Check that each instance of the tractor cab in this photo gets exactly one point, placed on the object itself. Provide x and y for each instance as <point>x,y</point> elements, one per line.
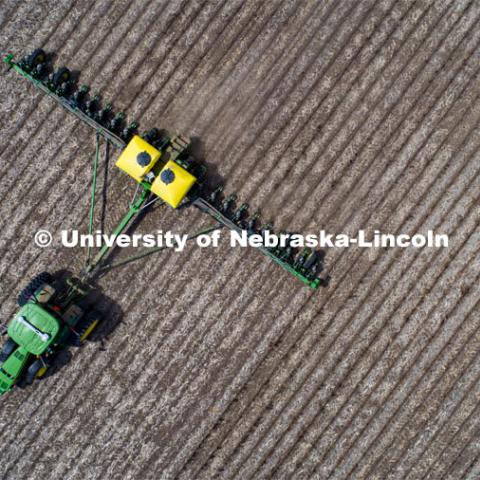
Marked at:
<point>34,328</point>
<point>162,170</point>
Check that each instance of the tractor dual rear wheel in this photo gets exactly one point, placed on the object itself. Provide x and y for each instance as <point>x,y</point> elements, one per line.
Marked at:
<point>27,293</point>
<point>86,326</point>
<point>36,370</point>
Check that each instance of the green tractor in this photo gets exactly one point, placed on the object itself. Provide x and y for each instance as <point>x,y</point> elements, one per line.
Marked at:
<point>53,315</point>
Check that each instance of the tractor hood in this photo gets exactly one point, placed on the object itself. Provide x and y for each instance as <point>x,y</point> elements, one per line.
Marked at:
<point>12,368</point>
<point>33,328</point>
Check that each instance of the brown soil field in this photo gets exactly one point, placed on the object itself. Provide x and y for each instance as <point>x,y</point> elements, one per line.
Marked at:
<point>217,364</point>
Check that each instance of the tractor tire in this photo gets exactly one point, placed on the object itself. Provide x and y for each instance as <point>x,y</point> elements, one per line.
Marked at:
<point>32,287</point>
<point>62,75</point>
<point>88,324</point>
<point>8,347</point>
<point>36,370</point>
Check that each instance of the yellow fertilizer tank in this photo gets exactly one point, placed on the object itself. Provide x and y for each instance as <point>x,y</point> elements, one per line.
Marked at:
<point>138,158</point>
<point>173,184</point>
<point>170,181</point>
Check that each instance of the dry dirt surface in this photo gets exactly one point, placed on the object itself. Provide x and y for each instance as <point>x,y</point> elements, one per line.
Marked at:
<point>335,115</point>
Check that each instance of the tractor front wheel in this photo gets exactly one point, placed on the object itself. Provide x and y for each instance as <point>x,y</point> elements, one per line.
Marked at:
<point>8,347</point>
